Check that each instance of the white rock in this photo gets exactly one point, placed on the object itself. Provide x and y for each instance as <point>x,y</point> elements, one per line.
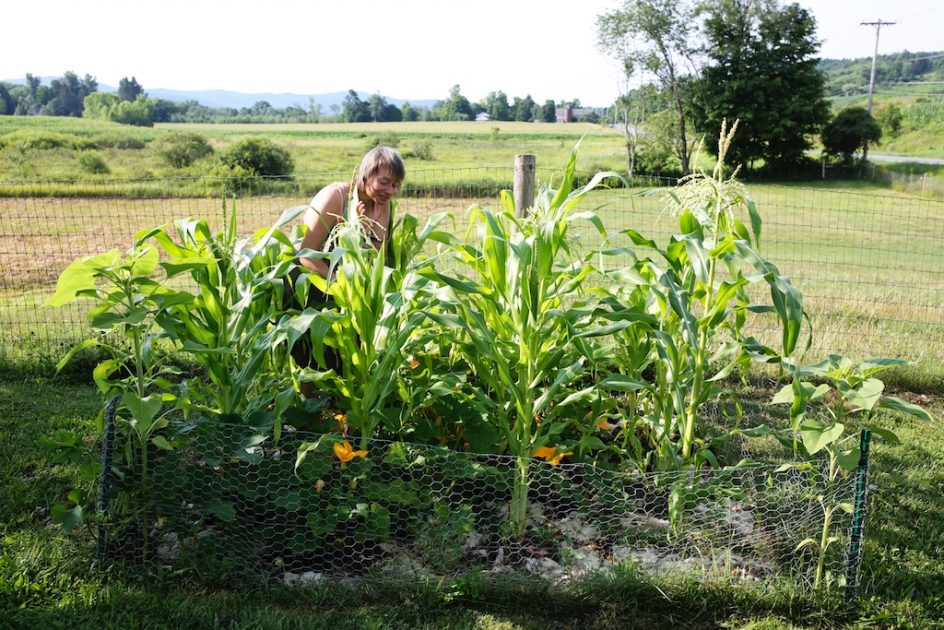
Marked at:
<point>576,529</point>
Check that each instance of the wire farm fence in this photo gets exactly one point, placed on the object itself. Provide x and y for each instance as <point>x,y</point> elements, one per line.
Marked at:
<point>232,502</point>
<point>871,267</point>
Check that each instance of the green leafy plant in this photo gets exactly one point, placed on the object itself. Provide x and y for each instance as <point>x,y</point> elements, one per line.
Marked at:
<point>127,303</point>
<point>693,306</point>
<point>512,320</point>
<point>92,162</point>
<point>230,321</point>
<point>830,403</point>
<point>377,310</point>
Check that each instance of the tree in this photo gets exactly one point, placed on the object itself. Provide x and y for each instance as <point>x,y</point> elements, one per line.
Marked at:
<point>99,105</point>
<point>314,110</point>
<point>354,109</point>
<point>850,130</point>
<point>409,113</point>
<point>524,108</point>
<point>164,110</point>
<point>763,71</point>
<point>660,35</point>
<point>129,89</point>
<point>889,118</point>
<point>382,111</point>
<point>628,113</point>
<point>456,107</point>
<point>261,108</point>
<point>139,113</point>
<point>496,105</point>
<point>377,104</point>
<point>67,95</point>
<point>547,112</point>
<point>7,102</point>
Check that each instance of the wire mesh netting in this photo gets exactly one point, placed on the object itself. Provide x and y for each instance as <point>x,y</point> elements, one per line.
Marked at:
<point>234,500</point>
<point>870,266</point>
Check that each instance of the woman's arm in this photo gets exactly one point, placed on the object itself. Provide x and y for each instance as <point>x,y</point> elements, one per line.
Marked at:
<point>323,213</point>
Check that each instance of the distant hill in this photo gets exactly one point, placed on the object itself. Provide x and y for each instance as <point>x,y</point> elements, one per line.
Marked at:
<point>229,98</point>
<point>847,77</point>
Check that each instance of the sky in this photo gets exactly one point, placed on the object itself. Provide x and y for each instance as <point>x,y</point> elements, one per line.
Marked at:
<point>403,49</point>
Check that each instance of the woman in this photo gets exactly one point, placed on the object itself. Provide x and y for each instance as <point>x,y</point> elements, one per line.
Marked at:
<point>378,183</point>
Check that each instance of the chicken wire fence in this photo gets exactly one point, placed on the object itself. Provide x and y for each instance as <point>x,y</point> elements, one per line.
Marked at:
<point>870,266</point>
<point>231,502</point>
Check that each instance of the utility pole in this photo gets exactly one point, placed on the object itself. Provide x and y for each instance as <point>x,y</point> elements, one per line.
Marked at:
<point>878,27</point>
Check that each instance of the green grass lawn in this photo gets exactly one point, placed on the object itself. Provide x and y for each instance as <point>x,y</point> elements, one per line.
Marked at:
<point>48,579</point>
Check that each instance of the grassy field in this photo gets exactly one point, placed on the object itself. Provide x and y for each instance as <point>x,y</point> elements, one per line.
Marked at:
<point>30,148</point>
<point>51,148</point>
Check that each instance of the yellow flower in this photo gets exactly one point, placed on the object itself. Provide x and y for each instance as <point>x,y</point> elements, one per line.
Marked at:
<point>554,461</point>
<point>603,425</point>
<point>342,421</point>
<point>345,452</point>
<point>547,453</point>
<point>415,363</point>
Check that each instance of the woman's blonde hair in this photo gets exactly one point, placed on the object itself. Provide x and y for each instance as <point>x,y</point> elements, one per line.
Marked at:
<point>379,158</point>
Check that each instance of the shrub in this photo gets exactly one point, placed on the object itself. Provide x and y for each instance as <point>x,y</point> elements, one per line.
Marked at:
<point>93,163</point>
<point>260,157</point>
<point>421,151</point>
<point>119,141</point>
<point>849,131</point>
<point>387,139</point>
<point>182,149</point>
<point>41,139</point>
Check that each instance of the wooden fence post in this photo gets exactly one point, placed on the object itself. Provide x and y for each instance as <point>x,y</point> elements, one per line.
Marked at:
<point>524,184</point>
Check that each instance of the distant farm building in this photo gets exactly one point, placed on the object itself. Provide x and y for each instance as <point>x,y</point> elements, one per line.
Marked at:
<point>571,114</point>
<point>482,117</point>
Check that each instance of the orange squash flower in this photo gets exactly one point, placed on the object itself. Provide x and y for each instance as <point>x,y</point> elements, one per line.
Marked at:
<point>345,452</point>
<point>550,455</point>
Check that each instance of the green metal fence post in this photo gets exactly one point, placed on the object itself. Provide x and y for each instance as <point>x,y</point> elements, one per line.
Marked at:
<point>108,446</point>
<point>854,557</point>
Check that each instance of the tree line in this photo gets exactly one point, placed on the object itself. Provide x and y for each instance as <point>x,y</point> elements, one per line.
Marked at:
<point>71,96</point>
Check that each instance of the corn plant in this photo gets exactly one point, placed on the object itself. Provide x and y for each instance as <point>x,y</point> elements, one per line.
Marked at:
<point>830,403</point>
<point>377,310</point>
<point>512,320</point>
<point>226,322</point>
<point>698,295</point>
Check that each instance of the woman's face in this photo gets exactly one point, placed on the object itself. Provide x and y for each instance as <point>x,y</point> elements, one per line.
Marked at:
<point>382,187</point>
